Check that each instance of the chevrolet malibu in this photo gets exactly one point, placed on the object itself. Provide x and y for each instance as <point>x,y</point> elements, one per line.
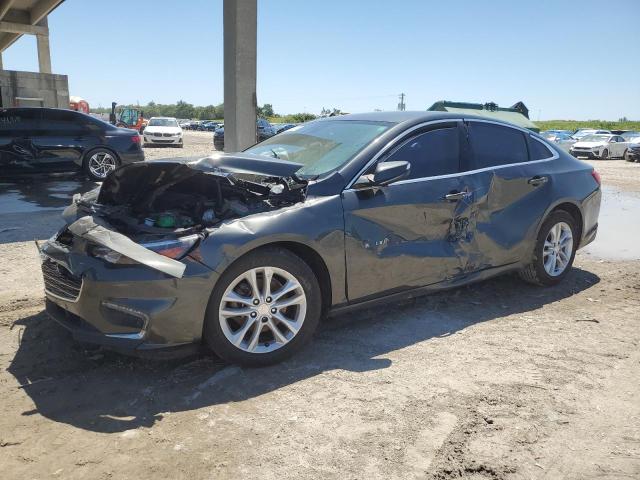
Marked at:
<point>246,252</point>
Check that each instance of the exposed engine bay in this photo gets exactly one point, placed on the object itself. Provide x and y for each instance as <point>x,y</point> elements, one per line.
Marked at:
<point>159,199</point>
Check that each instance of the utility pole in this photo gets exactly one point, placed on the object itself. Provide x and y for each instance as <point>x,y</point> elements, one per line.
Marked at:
<point>401,106</point>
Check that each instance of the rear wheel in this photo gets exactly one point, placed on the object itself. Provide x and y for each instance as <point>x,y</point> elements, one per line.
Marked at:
<point>554,251</point>
<point>100,163</point>
<point>263,309</point>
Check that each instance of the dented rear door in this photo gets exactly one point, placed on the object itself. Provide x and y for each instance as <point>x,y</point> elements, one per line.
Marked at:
<point>509,193</point>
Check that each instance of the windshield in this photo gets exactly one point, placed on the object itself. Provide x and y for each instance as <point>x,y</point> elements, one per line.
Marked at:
<point>162,122</point>
<point>594,138</point>
<point>321,146</point>
<point>630,135</point>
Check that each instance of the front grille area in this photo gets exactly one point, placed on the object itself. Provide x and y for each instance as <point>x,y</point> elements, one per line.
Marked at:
<point>60,282</point>
<point>168,134</point>
<point>157,134</point>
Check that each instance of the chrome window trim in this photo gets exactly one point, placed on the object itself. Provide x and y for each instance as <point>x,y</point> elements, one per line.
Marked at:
<point>392,143</point>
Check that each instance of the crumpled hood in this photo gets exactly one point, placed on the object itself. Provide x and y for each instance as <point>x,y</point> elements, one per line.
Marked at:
<point>133,182</point>
<point>246,163</point>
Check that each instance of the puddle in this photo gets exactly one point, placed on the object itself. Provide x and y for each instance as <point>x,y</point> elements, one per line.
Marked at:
<point>619,227</point>
<point>37,195</point>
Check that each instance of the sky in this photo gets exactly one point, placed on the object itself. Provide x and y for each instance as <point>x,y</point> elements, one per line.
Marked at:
<point>565,59</point>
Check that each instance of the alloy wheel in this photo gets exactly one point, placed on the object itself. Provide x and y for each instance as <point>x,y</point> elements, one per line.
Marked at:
<point>557,250</point>
<point>102,164</point>
<point>262,309</point>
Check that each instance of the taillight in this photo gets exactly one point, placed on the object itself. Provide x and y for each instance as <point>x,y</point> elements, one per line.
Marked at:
<point>596,176</point>
<point>135,139</point>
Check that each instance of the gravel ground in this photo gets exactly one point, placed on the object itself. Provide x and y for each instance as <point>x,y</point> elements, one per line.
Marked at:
<point>500,380</point>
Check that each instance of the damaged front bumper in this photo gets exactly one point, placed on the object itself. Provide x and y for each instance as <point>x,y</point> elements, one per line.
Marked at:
<point>131,308</point>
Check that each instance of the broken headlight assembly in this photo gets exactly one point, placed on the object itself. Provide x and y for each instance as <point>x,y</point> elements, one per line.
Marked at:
<point>173,248</point>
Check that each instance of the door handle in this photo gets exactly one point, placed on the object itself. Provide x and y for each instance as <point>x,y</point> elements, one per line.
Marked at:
<point>537,180</point>
<point>455,196</point>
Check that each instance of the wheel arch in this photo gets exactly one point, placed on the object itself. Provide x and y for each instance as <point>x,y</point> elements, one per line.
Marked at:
<point>572,208</point>
<point>307,254</point>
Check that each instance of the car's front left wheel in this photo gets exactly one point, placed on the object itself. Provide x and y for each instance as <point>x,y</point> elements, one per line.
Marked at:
<point>263,309</point>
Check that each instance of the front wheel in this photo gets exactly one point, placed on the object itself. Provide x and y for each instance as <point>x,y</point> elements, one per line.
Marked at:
<point>100,163</point>
<point>627,157</point>
<point>554,251</point>
<point>263,309</point>
<point>605,154</point>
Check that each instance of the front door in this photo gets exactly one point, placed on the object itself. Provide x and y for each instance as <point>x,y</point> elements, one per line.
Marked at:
<point>410,233</point>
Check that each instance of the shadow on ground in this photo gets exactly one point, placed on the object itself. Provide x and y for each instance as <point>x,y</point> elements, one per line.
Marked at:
<point>106,392</point>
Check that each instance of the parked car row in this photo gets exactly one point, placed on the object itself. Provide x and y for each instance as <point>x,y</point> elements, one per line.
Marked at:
<point>201,125</point>
<point>596,143</point>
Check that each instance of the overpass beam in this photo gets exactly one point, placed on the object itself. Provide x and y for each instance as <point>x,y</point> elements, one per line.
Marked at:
<point>240,56</point>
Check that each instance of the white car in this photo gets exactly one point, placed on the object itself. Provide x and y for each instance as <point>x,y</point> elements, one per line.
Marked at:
<point>599,146</point>
<point>163,131</point>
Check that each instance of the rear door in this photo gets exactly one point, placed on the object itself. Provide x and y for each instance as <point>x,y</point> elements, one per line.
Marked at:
<point>62,141</point>
<point>508,176</point>
<point>18,128</point>
<point>408,234</point>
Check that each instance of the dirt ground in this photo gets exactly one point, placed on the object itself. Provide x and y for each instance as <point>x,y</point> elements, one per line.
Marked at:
<point>499,380</point>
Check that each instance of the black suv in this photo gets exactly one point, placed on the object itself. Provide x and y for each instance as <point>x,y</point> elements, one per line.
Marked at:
<point>42,140</point>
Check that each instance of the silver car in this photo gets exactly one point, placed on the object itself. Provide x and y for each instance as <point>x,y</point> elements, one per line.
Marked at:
<point>601,146</point>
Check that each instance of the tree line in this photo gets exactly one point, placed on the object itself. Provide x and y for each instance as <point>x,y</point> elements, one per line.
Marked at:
<point>182,109</point>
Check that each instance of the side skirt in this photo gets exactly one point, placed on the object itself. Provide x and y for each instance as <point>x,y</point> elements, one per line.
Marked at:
<point>421,291</point>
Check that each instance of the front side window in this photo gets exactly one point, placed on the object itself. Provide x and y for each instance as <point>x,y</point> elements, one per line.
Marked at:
<point>433,153</point>
<point>494,145</point>
<point>321,147</point>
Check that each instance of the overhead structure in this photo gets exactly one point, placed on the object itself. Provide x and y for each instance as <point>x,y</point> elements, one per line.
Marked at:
<point>29,17</point>
<point>240,56</point>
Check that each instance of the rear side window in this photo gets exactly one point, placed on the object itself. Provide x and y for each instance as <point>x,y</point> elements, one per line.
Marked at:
<point>436,152</point>
<point>494,145</point>
<point>538,150</point>
<point>62,121</point>
<point>19,120</point>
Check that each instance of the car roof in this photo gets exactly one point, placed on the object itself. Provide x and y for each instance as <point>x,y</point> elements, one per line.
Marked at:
<point>412,117</point>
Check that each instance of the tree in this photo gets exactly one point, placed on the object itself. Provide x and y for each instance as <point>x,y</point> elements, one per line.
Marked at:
<point>183,110</point>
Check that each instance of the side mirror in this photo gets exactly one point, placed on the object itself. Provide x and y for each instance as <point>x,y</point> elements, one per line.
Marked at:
<point>385,173</point>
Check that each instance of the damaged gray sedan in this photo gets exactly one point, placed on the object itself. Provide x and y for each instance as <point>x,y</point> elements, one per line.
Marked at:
<point>246,252</point>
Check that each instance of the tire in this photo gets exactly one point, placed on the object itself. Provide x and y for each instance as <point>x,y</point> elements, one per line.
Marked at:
<point>97,157</point>
<point>604,155</point>
<point>536,272</point>
<point>259,347</point>
<point>627,157</point>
